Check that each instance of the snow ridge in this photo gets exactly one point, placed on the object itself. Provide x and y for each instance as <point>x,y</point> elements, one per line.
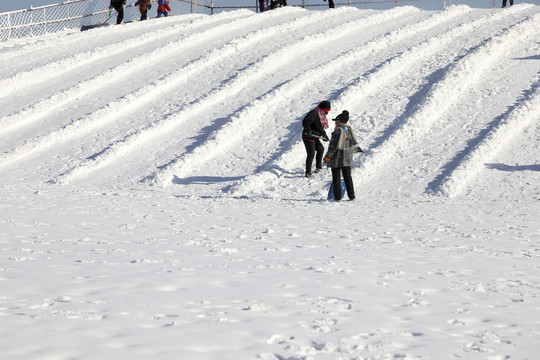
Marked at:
<point>462,75</point>
<point>523,115</point>
<point>256,71</point>
<point>365,86</point>
<point>46,106</point>
<point>49,71</point>
<point>239,127</point>
<point>133,101</point>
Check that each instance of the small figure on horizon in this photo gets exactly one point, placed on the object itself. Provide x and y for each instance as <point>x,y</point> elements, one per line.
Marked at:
<point>119,6</point>
<point>313,132</point>
<point>277,3</point>
<point>504,3</point>
<point>263,5</point>
<point>144,6</point>
<point>340,155</point>
<point>163,7</point>
<point>330,4</point>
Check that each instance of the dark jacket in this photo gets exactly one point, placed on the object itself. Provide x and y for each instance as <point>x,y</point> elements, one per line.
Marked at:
<point>312,126</point>
<point>342,146</point>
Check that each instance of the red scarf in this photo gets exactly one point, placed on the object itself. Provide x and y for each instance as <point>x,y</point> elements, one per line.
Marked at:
<point>322,116</point>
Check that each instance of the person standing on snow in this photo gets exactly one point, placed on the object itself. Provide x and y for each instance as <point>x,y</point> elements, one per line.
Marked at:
<point>313,125</point>
<point>262,5</point>
<point>504,3</point>
<point>119,6</point>
<point>163,7</point>
<point>144,6</point>
<point>330,4</point>
<point>340,154</point>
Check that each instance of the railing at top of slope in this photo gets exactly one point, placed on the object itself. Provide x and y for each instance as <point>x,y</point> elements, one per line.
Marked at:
<point>76,13</point>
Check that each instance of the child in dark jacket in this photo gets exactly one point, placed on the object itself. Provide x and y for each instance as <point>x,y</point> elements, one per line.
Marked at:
<point>144,6</point>
<point>163,7</point>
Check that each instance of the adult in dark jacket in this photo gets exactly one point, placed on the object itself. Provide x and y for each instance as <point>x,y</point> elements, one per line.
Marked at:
<point>340,155</point>
<point>313,125</point>
<point>119,6</point>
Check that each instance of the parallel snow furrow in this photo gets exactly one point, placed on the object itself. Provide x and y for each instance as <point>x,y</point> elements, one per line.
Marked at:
<point>55,69</point>
<point>239,127</point>
<point>363,87</point>
<point>498,138</point>
<point>151,92</point>
<point>443,94</point>
<point>48,106</point>
<point>259,70</point>
<point>64,41</point>
<point>67,38</point>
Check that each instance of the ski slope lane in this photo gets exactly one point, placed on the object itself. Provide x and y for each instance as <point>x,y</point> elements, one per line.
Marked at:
<point>137,99</point>
<point>256,71</point>
<point>220,113</point>
<point>355,92</point>
<point>463,74</point>
<point>211,29</point>
<point>240,127</point>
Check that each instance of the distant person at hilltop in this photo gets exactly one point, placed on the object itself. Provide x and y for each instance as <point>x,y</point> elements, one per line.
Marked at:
<point>119,6</point>
<point>144,6</point>
<point>504,3</point>
<point>277,3</point>
<point>163,7</point>
<point>263,5</point>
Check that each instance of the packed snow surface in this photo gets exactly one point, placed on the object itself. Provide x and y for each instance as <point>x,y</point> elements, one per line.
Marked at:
<point>154,204</point>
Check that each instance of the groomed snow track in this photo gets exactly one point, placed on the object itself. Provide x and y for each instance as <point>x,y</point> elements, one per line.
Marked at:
<point>212,105</point>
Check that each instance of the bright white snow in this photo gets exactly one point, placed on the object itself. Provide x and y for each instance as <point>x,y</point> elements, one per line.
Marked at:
<point>153,204</point>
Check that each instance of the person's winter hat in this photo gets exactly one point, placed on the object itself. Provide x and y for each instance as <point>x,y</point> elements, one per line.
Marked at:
<point>343,117</point>
<point>325,105</point>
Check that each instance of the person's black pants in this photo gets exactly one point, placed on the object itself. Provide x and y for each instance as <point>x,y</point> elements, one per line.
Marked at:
<point>336,182</point>
<point>144,15</point>
<point>120,9</point>
<point>315,150</point>
<point>331,4</point>
<point>511,3</point>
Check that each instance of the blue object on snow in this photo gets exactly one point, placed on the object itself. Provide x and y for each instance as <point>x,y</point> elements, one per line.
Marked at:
<point>331,191</point>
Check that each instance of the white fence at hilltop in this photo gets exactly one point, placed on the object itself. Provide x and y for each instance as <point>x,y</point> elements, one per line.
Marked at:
<point>76,13</point>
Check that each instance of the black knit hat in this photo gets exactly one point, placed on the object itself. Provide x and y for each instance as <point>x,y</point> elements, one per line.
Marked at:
<point>325,105</point>
<point>343,117</point>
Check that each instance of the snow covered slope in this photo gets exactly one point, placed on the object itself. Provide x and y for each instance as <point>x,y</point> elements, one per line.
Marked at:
<point>153,203</point>
<point>219,99</point>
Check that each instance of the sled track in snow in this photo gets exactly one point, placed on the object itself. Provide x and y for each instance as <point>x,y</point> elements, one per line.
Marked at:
<point>398,137</point>
<point>115,139</point>
<point>47,106</point>
<point>42,43</point>
<point>29,78</point>
<point>460,76</point>
<point>137,99</point>
<point>525,114</point>
<point>240,127</point>
<point>258,70</point>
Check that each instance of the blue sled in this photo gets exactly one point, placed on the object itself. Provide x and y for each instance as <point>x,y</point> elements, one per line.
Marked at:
<point>331,191</point>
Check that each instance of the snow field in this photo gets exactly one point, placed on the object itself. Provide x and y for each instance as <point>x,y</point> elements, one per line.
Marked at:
<point>153,203</point>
